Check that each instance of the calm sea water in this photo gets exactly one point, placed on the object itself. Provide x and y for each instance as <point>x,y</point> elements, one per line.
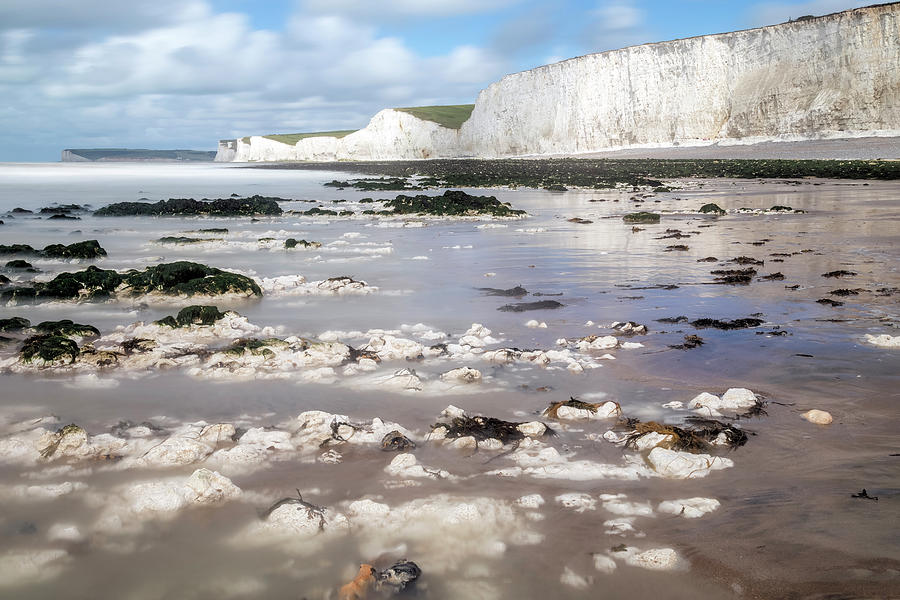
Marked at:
<point>787,524</point>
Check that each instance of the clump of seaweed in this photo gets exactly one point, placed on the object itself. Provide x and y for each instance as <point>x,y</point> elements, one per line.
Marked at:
<point>192,315</point>
<point>223,207</point>
<point>185,278</point>
<point>395,441</point>
<point>66,328</point>
<point>481,428</point>
<point>641,217</point>
<point>690,342</point>
<point>746,260</point>
<point>452,203</point>
<point>13,324</point>
<point>712,209</point>
<point>839,273</point>
<point>734,276</point>
<point>513,292</point>
<point>727,325</point>
<point>51,349</point>
<point>88,249</point>
<point>699,435</point>
<point>524,306</point>
<point>551,412</point>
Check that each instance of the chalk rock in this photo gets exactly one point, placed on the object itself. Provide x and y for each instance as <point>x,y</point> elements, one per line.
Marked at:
<point>617,505</point>
<point>684,465</point>
<point>531,501</point>
<point>462,375</point>
<point>819,417</point>
<point>689,508</point>
<point>407,465</point>
<point>656,559</point>
<point>577,502</point>
<point>732,401</point>
<point>532,428</point>
<point>604,342</point>
<point>65,532</point>
<point>402,380</point>
<point>884,340</point>
<point>604,564</point>
<point>607,410</point>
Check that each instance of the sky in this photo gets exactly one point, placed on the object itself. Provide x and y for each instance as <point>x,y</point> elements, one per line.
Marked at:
<point>170,74</point>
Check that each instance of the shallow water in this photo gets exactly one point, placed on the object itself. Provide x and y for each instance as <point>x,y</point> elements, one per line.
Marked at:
<point>787,526</point>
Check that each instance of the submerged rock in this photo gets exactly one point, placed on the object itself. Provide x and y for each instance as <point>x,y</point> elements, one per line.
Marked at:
<point>684,465</point>
<point>884,340</point>
<point>819,417</point>
<point>88,249</point>
<point>641,217</point>
<point>711,209</point>
<point>452,203</point>
<point>524,306</point>
<point>573,409</point>
<point>193,315</point>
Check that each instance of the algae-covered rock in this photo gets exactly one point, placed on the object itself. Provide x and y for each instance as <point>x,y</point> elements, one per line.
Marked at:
<point>13,324</point>
<point>193,315</point>
<point>224,207</point>
<point>49,350</point>
<point>181,240</point>
<point>87,249</point>
<point>4,280</point>
<point>452,203</point>
<point>292,243</point>
<point>20,265</point>
<point>91,284</point>
<point>712,209</point>
<point>185,278</point>
<point>66,328</point>
<point>17,249</point>
<point>641,217</point>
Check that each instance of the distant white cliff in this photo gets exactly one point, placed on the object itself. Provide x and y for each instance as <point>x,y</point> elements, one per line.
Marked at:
<point>834,76</point>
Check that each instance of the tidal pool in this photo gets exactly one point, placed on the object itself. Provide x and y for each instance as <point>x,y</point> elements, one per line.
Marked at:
<point>130,513</point>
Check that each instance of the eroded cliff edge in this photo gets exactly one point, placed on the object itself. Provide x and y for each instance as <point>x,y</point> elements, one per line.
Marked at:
<point>834,76</point>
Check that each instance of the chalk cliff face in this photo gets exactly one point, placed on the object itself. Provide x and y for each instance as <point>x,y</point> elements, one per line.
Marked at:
<point>832,76</point>
<point>390,135</point>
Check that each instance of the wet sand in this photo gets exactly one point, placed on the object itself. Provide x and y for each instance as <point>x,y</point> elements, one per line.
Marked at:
<point>787,526</point>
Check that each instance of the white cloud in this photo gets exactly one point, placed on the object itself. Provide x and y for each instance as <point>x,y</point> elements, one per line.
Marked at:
<point>771,13</point>
<point>616,25</point>
<point>191,80</point>
<point>410,8</point>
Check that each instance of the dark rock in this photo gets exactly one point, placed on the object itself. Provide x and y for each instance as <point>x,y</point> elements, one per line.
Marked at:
<point>523,306</point>
<point>66,328</point>
<point>746,260</point>
<point>63,218</point>
<point>839,273</point>
<point>452,203</point>
<point>708,259</point>
<point>673,320</point>
<point>87,249</point>
<point>579,221</point>
<point>677,247</point>
<point>690,342</point>
<point>183,241</point>
<point>712,209</point>
<point>395,441</point>
<point>14,324</point>
<point>726,325</point>
<point>829,302</point>
<point>21,211</point>
<point>773,277</point>
<point>224,207</point>
<point>641,217</point>
<point>50,348</point>
<point>514,292</point>
<point>20,265</point>
<point>734,276</point>
<point>292,243</point>
<point>193,315</point>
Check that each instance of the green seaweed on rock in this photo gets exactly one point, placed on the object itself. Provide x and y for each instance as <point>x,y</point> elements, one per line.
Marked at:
<point>66,328</point>
<point>51,349</point>
<point>193,315</point>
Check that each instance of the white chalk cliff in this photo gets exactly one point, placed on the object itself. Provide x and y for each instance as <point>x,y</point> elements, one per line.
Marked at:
<point>834,76</point>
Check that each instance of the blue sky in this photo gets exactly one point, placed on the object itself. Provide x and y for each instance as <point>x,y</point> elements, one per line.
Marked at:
<point>184,73</point>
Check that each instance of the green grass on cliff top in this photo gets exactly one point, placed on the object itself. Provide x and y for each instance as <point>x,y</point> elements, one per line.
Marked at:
<point>292,138</point>
<point>451,117</point>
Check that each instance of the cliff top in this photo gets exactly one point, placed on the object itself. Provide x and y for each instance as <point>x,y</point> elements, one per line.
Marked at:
<point>291,139</point>
<point>451,116</point>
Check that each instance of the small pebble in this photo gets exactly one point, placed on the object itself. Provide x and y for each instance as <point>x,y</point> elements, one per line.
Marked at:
<point>819,417</point>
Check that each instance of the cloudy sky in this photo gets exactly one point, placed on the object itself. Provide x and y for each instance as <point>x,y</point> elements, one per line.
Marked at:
<point>184,73</point>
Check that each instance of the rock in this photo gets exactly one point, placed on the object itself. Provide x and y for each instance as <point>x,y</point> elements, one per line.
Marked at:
<point>641,217</point>
<point>819,417</point>
<point>689,508</point>
<point>617,505</point>
<point>712,208</point>
<point>734,400</point>
<point>884,340</point>
<point>19,567</point>
<point>532,428</point>
<point>577,502</point>
<point>657,559</point>
<point>604,563</point>
<point>223,207</point>
<point>574,580</point>
<point>462,375</point>
<point>406,465</point>
<point>684,465</point>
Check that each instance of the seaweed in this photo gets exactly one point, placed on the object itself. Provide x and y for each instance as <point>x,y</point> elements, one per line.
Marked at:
<point>87,249</point>
<point>312,511</point>
<point>734,276</point>
<point>316,211</point>
<point>746,260</point>
<point>193,315</point>
<point>690,342</point>
<point>452,203</point>
<point>846,292</point>
<point>20,265</point>
<point>514,292</point>
<point>395,441</point>
<point>698,436</point>
<point>673,320</point>
<point>839,273</point>
<point>13,324</point>
<point>481,428</point>
<point>50,349</point>
<point>641,217</point>
<point>551,411</point>
<point>708,259</point>
<point>579,221</point>
<point>712,209</point>
<point>66,328</point>
<point>773,276</point>
<point>182,240</point>
<point>213,230</point>
<point>726,325</point>
<point>829,302</point>
<point>524,306</point>
<point>256,347</point>
<point>224,207</point>
<point>61,433</point>
<point>677,247</point>
<point>137,345</point>
<point>189,279</point>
